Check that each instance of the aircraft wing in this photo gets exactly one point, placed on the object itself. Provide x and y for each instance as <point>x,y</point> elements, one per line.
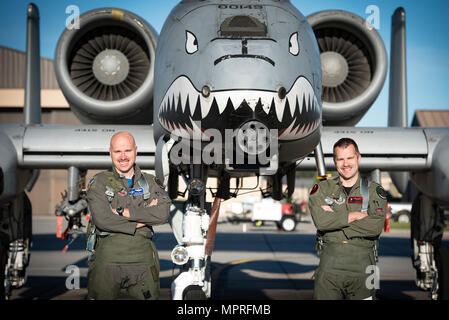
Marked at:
<point>84,146</point>
<point>87,146</point>
<point>387,149</point>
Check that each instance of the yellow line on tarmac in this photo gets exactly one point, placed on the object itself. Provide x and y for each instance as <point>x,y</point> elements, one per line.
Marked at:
<point>248,260</point>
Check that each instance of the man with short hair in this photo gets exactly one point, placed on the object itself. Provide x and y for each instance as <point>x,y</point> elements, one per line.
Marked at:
<point>124,203</point>
<point>349,214</point>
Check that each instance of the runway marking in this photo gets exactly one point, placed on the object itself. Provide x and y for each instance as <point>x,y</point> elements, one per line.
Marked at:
<point>248,260</point>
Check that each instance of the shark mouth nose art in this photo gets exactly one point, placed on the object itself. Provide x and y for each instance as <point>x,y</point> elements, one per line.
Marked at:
<point>184,111</point>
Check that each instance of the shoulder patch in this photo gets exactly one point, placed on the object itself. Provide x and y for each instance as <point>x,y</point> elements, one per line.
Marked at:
<point>314,189</point>
<point>381,193</point>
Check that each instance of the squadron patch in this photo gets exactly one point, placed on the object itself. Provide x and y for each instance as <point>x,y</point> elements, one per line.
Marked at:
<point>314,189</point>
<point>381,193</point>
<point>341,199</point>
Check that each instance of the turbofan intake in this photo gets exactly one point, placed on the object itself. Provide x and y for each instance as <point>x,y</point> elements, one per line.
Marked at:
<point>353,65</point>
<point>105,67</point>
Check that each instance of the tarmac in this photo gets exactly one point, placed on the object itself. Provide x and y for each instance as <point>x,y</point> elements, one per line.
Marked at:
<point>248,263</point>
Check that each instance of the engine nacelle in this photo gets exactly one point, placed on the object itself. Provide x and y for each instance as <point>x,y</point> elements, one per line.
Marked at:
<point>105,68</point>
<point>353,65</point>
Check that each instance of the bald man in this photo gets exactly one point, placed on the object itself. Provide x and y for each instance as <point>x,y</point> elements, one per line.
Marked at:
<point>124,203</point>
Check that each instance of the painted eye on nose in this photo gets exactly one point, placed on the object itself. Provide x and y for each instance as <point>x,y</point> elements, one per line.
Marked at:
<point>191,43</point>
<point>293,45</point>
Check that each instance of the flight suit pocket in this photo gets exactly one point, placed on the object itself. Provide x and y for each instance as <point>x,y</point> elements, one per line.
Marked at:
<point>154,273</point>
<point>155,259</point>
<point>354,263</point>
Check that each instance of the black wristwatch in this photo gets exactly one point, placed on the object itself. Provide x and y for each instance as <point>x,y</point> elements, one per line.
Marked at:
<point>120,211</point>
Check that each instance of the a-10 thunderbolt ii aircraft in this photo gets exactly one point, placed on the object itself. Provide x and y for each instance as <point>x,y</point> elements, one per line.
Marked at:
<point>229,89</point>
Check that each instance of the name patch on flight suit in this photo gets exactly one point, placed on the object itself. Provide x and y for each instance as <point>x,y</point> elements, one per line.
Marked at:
<point>135,191</point>
<point>355,200</point>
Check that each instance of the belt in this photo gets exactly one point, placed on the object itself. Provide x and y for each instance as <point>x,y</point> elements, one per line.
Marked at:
<point>365,238</point>
<point>364,243</point>
<point>146,233</point>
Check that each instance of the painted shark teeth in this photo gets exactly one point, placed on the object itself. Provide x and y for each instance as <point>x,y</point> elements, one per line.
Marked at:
<point>300,104</point>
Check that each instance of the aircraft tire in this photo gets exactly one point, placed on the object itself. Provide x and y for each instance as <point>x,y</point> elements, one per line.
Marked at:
<point>194,293</point>
<point>443,273</point>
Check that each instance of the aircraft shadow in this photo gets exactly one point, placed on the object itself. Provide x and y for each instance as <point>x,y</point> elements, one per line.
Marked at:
<point>226,275</point>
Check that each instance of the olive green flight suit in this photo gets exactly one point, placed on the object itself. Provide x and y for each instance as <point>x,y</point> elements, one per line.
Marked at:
<point>125,257</point>
<point>346,249</point>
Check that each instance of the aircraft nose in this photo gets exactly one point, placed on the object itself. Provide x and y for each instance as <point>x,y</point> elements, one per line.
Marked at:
<point>246,54</point>
<point>249,49</point>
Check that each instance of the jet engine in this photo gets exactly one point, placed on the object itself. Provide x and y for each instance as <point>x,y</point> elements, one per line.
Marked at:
<point>105,67</point>
<point>353,65</point>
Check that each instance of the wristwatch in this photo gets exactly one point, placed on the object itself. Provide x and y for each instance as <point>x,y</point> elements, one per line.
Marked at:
<point>120,211</point>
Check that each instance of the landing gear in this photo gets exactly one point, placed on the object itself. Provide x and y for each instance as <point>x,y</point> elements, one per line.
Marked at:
<point>191,255</point>
<point>426,269</point>
<point>72,206</point>
<point>195,230</point>
<point>15,234</point>
<point>429,259</point>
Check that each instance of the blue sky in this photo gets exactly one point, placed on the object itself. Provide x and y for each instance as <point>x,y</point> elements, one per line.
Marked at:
<point>427,37</point>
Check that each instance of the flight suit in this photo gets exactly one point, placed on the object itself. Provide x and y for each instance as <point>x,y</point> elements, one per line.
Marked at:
<point>125,257</point>
<point>346,249</point>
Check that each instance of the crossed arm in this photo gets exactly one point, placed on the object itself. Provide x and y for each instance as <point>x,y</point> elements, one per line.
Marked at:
<point>353,224</point>
<point>352,216</point>
<point>126,213</point>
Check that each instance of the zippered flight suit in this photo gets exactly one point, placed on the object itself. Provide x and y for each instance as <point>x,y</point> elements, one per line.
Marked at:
<point>125,257</point>
<point>346,249</point>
